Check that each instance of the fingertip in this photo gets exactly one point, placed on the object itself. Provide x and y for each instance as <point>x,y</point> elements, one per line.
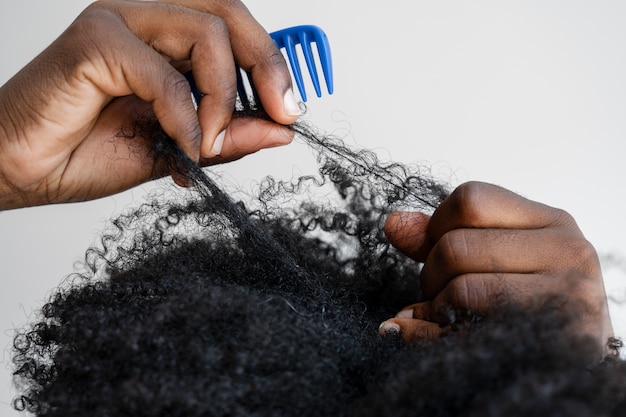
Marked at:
<point>408,232</point>
<point>391,223</point>
<point>246,135</point>
<point>214,119</point>
<point>282,108</point>
<point>389,328</point>
<point>181,180</point>
<point>189,143</point>
<point>411,330</point>
<point>268,134</point>
<point>216,149</point>
<point>291,107</point>
<point>180,121</point>
<point>283,136</point>
<point>271,78</point>
<point>206,146</point>
<point>403,218</point>
<point>419,310</point>
<point>191,150</point>
<point>215,116</point>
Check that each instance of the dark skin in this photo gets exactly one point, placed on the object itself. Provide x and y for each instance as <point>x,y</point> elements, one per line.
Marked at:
<point>120,60</point>
<point>485,244</point>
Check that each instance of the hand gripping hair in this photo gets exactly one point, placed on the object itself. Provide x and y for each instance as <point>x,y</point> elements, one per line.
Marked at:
<point>201,305</point>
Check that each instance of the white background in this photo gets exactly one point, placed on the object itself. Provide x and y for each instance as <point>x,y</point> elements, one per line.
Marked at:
<point>529,95</point>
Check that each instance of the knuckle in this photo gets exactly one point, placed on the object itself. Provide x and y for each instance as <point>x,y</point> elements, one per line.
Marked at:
<point>92,20</point>
<point>87,41</point>
<point>471,294</point>
<point>231,4</point>
<point>98,4</point>
<point>272,64</point>
<point>213,26</point>
<point>468,199</point>
<point>564,218</point>
<point>175,84</point>
<point>590,298</point>
<point>223,97</point>
<point>96,14</point>
<point>585,256</point>
<point>460,293</point>
<point>228,9</point>
<point>276,59</point>
<point>452,247</point>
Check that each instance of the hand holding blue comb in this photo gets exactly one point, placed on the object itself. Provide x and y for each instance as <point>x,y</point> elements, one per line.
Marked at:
<point>288,39</point>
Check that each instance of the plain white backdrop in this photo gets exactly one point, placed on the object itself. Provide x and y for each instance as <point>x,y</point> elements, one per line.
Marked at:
<point>528,95</point>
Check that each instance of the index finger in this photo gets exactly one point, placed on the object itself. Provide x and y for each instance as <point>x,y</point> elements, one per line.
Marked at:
<point>255,51</point>
<point>487,206</point>
<point>483,228</point>
<point>472,205</point>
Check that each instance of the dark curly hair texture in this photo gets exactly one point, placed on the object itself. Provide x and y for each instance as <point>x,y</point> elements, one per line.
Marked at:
<point>197,305</point>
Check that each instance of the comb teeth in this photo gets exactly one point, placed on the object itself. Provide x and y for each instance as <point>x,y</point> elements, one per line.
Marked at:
<point>288,39</point>
<point>305,36</point>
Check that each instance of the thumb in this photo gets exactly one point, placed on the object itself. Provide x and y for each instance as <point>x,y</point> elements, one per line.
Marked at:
<point>407,231</point>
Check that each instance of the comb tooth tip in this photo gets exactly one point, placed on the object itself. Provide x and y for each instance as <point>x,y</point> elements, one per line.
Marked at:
<point>305,36</point>
<point>316,85</point>
<point>303,94</point>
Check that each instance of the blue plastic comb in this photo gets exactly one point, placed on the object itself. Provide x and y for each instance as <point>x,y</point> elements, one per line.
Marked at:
<point>288,39</point>
<point>305,36</point>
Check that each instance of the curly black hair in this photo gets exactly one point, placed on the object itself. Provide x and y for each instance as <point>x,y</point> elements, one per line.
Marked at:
<point>205,306</point>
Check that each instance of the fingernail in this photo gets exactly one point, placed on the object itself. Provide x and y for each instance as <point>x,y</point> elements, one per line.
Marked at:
<point>291,104</point>
<point>219,142</point>
<point>388,328</point>
<point>405,314</point>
